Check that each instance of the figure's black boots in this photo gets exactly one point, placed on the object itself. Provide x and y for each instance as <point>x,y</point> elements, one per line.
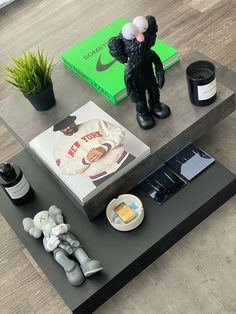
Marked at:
<point>157,109</point>
<point>144,117</point>
<point>160,111</point>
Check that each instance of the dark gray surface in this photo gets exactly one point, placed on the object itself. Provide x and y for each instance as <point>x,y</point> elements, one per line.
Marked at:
<point>123,255</point>
<point>187,122</point>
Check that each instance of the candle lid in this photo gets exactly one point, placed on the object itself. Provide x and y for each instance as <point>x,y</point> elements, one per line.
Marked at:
<point>200,65</point>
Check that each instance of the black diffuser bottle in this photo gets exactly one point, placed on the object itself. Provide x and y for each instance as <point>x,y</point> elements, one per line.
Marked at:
<point>14,183</point>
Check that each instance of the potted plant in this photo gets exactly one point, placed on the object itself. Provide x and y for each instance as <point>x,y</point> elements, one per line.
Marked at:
<point>31,74</point>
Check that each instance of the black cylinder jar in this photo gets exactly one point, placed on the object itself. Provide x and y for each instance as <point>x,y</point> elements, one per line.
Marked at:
<point>201,82</point>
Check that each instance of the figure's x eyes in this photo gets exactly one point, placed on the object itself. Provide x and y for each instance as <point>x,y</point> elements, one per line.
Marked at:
<point>45,217</point>
<point>141,23</point>
<point>129,30</point>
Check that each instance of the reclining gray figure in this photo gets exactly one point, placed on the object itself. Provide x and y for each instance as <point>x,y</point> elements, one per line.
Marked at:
<point>62,243</point>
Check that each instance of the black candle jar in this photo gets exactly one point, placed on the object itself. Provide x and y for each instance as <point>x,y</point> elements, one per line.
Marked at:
<point>201,82</point>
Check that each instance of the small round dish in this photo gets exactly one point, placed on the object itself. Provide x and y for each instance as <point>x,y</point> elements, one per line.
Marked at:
<point>134,203</point>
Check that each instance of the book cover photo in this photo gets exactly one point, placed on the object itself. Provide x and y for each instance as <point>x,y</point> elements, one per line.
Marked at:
<point>88,150</point>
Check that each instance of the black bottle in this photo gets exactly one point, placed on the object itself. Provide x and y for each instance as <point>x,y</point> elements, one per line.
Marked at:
<point>14,183</point>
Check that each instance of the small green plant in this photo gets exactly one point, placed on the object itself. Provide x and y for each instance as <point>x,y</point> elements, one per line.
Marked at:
<point>31,73</point>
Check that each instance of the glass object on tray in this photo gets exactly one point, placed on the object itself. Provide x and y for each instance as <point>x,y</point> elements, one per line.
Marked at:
<point>162,184</point>
<point>190,161</point>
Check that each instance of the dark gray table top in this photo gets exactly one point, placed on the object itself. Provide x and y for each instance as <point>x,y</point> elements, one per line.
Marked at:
<point>72,92</point>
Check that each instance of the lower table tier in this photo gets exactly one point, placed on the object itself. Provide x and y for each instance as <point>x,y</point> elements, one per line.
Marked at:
<point>123,254</point>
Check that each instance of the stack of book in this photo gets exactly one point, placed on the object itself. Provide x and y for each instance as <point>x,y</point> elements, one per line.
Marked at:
<point>66,154</point>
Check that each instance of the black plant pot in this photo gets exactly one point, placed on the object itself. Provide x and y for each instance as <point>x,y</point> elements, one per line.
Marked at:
<point>44,100</point>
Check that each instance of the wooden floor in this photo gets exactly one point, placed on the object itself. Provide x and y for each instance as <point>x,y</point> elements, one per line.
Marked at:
<point>198,274</point>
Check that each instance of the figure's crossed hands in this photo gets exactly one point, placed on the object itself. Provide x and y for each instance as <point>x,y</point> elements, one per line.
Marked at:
<point>60,229</point>
<point>52,243</point>
<point>95,153</point>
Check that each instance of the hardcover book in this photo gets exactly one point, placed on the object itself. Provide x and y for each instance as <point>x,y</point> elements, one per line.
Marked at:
<point>88,150</point>
<point>91,60</point>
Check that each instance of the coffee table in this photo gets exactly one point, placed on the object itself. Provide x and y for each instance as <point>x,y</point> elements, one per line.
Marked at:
<point>123,255</point>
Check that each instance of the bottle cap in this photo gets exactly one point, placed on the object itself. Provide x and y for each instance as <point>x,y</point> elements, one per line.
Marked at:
<point>7,171</point>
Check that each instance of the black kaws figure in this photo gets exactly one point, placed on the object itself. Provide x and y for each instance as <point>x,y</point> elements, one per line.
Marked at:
<point>133,47</point>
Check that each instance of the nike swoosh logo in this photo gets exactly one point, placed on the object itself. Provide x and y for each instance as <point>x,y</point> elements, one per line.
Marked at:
<point>103,67</point>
